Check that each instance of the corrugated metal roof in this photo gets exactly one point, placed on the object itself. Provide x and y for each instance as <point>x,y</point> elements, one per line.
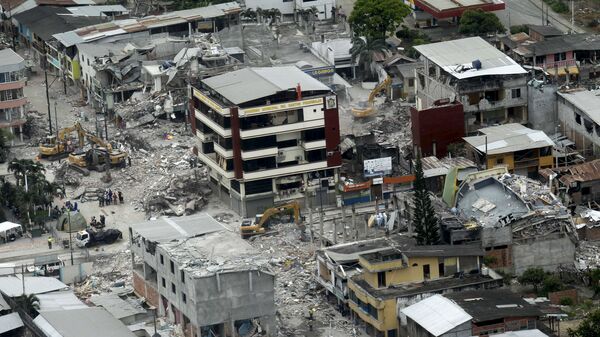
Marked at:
<point>582,172</point>
<point>508,138</point>
<point>10,322</point>
<point>522,333</point>
<point>95,322</point>
<point>249,84</point>
<point>169,229</point>
<point>12,286</point>
<point>116,306</point>
<point>437,314</point>
<point>96,10</point>
<point>60,300</point>
<point>456,58</point>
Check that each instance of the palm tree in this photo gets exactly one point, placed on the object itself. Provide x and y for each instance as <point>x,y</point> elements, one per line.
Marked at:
<point>23,168</point>
<point>249,14</point>
<point>259,14</point>
<point>29,304</point>
<point>274,14</point>
<point>364,49</point>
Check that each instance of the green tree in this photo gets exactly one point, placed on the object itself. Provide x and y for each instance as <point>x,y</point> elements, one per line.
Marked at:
<point>534,277</point>
<point>551,284</point>
<point>595,281</point>
<point>519,29</point>
<point>30,304</point>
<point>589,327</point>
<point>364,52</point>
<point>425,221</point>
<point>375,19</point>
<point>4,146</point>
<point>22,168</point>
<point>478,22</point>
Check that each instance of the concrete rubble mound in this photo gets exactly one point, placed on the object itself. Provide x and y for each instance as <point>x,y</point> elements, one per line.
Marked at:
<point>184,195</point>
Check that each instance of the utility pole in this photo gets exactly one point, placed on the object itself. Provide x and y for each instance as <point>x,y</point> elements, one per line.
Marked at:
<point>543,22</point>
<point>105,125</point>
<point>572,18</point>
<point>56,118</point>
<point>70,239</point>
<point>47,95</point>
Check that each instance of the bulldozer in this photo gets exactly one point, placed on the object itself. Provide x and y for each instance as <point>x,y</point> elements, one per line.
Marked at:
<point>367,108</point>
<point>259,225</point>
<point>97,158</point>
<point>55,147</point>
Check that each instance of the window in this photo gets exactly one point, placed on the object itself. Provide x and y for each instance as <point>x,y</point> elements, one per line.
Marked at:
<point>183,297</point>
<point>578,118</point>
<point>381,279</point>
<point>2,77</point>
<point>391,333</point>
<point>172,267</point>
<point>164,283</point>
<point>162,259</point>
<point>173,290</point>
<point>411,82</point>
<point>426,272</point>
<point>560,57</point>
<point>585,191</point>
<point>500,161</point>
<point>516,93</point>
<point>182,275</point>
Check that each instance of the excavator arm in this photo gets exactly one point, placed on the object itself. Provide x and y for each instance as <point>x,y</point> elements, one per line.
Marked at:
<point>258,227</point>
<point>369,109</point>
<point>379,88</point>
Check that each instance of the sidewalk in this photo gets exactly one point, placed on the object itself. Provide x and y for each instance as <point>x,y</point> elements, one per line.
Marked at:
<point>28,248</point>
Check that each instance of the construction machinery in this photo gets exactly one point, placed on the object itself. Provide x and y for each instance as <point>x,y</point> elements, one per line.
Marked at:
<point>101,153</point>
<point>367,108</point>
<point>259,225</point>
<point>58,146</point>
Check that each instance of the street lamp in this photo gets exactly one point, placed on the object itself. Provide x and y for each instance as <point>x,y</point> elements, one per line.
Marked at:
<point>70,234</point>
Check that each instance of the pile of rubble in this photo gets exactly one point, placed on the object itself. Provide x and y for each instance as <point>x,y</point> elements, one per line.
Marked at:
<point>587,255</point>
<point>184,194</point>
<point>295,289</point>
<point>110,271</point>
<point>144,108</point>
<point>393,125</point>
<point>532,191</point>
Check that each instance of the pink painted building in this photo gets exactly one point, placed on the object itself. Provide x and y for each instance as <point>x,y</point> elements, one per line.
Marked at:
<point>12,99</point>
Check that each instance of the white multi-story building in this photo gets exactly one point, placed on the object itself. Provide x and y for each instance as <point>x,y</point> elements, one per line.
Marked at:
<point>268,135</point>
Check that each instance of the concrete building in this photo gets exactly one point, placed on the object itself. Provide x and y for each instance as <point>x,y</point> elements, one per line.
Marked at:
<point>490,85</point>
<point>520,149</point>
<point>579,118</point>
<point>522,223</point>
<point>469,313</point>
<point>401,274</point>
<point>12,99</point>
<point>267,135</point>
<point>429,13</point>
<point>202,276</point>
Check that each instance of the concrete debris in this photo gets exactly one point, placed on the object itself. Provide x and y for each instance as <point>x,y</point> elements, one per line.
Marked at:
<point>112,273</point>
<point>392,126</point>
<point>587,255</point>
<point>144,108</point>
<point>184,195</point>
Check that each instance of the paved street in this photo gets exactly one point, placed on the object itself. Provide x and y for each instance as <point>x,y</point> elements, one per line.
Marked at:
<point>520,12</point>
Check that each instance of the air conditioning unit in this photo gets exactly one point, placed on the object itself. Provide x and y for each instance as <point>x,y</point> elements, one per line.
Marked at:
<point>280,153</point>
<point>298,158</point>
<point>280,159</point>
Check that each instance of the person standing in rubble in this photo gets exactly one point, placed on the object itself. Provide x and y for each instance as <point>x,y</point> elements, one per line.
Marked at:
<point>101,201</point>
<point>110,196</point>
<point>120,197</point>
<point>115,198</point>
<point>102,220</point>
<point>106,200</point>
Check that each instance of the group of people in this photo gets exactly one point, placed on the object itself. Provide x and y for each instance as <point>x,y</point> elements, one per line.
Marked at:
<point>111,197</point>
<point>98,223</point>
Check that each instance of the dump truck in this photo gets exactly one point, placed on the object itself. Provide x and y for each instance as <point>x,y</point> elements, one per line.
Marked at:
<point>89,237</point>
<point>259,225</point>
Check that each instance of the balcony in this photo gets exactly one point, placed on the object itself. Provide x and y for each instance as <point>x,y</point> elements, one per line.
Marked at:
<point>314,145</point>
<point>213,104</point>
<point>12,85</point>
<point>211,161</point>
<point>222,151</point>
<point>13,103</point>
<point>299,126</point>
<point>15,121</point>
<point>212,124</point>
<point>560,64</point>
<point>253,154</point>
<point>300,168</point>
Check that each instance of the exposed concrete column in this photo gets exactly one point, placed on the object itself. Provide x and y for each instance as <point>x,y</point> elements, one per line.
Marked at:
<point>344,223</point>
<point>354,229</point>
<point>21,132</point>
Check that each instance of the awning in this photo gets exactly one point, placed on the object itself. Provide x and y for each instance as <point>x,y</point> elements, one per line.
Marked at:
<point>562,71</point>
<point>573,70</point>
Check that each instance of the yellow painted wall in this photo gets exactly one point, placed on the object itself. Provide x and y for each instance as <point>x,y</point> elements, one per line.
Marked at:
<point>406,275</point>
<point>381,266</point>
<point>76,69</point>
<point>546,161</point>
<point>386,313</point>
<point>508,160</point>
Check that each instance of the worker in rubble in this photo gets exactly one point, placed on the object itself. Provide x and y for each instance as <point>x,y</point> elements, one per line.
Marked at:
<point>120,197</point>
<point>102,220</point>
<point>93,221</point>
<point>49,242</point>
<point>115,198</point>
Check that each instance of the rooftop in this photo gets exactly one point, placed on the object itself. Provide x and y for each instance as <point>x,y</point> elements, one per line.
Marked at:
<point>487,305</point>
<point>563,43</point>
<point>431,286</point>
<point>449,8</point>
<point>179,228</point>
<point>588,171</point>
<point>45,21</point>
<point>437,314</point>
<point>10,59</point>
<point>545,30</point>
<point>96,322</point>
<point>349,252</point>
<point>97,10</point>
<point>127,26</point>
<point>116,306</point>
<point>249,84</point>
<point>60,300</point>
<point>456,58</point>
<point>12,286</point>
<point>523,333</point>
<point>585,100</point>
<point>508,138</point>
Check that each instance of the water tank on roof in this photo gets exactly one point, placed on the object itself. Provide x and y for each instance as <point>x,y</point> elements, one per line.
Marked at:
<point>476,64</point>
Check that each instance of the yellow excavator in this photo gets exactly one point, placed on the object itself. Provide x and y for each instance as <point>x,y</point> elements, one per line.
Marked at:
<point>96,157</point>
<point>367,109</point>
<point>250,227</point>
<point>55,147</point>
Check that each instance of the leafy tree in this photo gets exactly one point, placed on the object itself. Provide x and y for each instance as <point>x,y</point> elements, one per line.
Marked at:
<point>550,284</point>
<point>30,304</point>
<point>534,277</point>
<point>375,19</point>
<point>595,281</point>
<point>589,327</point>
<point>519,29</point>
<point>4,146</point>
<point>478,22</point>
<point>22,168</point>
<point>364,52</point>
<point>249,14</point>
<point>425,221</point>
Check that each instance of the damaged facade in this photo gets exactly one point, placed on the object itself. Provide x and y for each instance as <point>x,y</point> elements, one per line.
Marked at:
<point>579,118</point>
<point>12,99</point>
<point>488,86</point>
<point>268,135</point>
<point>522,223</point>
<point>203,277</point>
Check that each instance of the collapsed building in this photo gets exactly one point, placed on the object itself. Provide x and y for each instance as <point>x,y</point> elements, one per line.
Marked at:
<point>203,277</point>
<point>522,223</point>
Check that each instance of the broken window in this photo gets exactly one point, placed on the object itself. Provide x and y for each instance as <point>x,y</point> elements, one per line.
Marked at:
<point>589,125</point>
<point>381,279</point>
<point>585,191</point>
<point>162,259</point>
<point>173,289</point>
<point>172,267</point>
<point>164,282</point>
<point>577,118</point>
